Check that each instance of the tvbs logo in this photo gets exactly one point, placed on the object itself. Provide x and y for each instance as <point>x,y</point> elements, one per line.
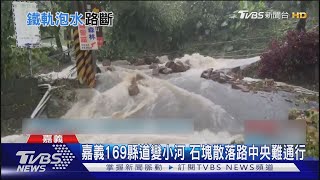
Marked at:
<point>252,15</point>
<point>299,15</point>
<point>30,162</point>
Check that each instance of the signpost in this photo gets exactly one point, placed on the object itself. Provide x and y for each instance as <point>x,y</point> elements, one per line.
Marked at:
<point>83,45</point>
<point>27,36</point>
<point>99,29</point>
<point>88,38</point>
<point>92,7</point>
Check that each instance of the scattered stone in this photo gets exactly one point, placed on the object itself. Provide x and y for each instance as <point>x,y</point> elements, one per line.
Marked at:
<point>241,87</point>
<point>165,70</point>
<point>229,77</point>
<point>288,100</point>
<point>207,73</point>
<point>153,66</point>
<point>222,78</point>
<point>215,76</point>
<point>139,62</point>
<point>177,66</point>
<point>169,64</point>
<point>150,60</point>
<point>235,86</point>
<point>180,67</point>
<point>133,90</point>
<point>269,82</point>
<point>234,77</point>
<point>235,70</point>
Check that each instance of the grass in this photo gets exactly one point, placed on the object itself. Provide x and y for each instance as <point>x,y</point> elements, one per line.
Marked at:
<point>312,131</point>
<point>312,134</point>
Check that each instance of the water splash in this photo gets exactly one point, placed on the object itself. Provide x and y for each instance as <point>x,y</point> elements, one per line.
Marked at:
<point>158,98</point>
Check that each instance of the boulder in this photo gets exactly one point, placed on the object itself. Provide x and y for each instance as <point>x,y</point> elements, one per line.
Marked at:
<point>236,70</point>
<point>222,78</point>
<point>151,59</point>
<point>106,62</point>
<point>139,62</point>
<point>180,67</point>
<point>207,73</point>
<point>215,76</point>
<point>235,85</point>
<point>169,64</point>
<point>179,63</point>
<point>269,83</point>
<point>133,90</point>
<point>165,70</point>
<point>239,86</point>
<point>177,66</point>
<point>153,66</point>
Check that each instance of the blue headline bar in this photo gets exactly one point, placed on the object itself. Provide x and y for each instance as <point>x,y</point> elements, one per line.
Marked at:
<point>190,152</point>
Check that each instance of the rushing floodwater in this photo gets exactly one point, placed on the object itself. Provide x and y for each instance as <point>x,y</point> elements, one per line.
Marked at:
<point>218,110</point>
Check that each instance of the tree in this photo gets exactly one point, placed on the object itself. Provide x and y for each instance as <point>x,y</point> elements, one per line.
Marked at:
<point>301,26</point>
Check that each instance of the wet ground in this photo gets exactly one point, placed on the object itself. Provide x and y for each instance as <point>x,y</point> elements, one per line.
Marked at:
<point>218,110</point>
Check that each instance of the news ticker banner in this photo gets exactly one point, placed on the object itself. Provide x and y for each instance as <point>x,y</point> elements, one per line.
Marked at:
<point>82,161</point>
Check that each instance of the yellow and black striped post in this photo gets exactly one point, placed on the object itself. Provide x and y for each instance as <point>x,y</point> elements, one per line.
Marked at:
<point>84,63</point>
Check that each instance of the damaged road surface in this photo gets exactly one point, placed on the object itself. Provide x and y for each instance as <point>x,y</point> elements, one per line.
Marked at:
<point>217,106</point>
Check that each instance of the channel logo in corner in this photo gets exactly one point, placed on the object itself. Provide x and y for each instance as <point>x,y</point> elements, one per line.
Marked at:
<point>32,161</point>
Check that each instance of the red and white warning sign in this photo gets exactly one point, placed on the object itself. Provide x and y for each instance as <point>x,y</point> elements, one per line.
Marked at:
<point>88,38</point>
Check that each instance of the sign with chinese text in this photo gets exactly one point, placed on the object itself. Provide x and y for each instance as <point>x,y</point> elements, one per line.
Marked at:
<point>27,36</point>
<point>88,38</point>
<point>95,9</point>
